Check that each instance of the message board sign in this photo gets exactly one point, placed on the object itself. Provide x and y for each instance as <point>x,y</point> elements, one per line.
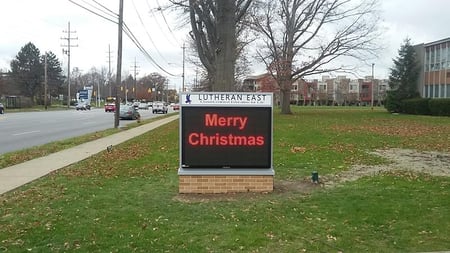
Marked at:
<point>226,131</point>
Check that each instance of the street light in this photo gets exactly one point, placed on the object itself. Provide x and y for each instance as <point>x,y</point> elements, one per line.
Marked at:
<point>371,90</point>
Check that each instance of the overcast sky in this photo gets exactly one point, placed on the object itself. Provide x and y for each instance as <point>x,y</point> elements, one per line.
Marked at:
<point>45,22</point>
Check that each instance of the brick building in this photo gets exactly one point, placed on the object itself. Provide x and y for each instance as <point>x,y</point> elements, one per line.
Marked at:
<point>326,91</point>
<point>434,59</point>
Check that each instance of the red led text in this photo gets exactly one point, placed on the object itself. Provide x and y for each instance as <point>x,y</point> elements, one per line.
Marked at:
<point>214,120</point>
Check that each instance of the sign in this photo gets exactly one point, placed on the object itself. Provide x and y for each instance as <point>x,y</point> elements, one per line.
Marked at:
<point>226,131</point>
<point>83,94</point>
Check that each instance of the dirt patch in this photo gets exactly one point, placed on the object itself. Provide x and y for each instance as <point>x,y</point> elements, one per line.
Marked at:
<point>432,163</point>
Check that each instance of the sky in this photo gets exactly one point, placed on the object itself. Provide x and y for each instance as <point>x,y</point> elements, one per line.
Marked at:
<point>45,24</point>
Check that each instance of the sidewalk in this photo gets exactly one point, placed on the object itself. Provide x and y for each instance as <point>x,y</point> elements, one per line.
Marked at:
<point>20,174</point>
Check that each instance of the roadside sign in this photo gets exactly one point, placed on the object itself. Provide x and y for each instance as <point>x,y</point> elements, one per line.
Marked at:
<point>83,94</point>
<point>226,131</point>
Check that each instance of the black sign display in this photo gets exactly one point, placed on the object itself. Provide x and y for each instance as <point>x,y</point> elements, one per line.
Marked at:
<point>226,137</point>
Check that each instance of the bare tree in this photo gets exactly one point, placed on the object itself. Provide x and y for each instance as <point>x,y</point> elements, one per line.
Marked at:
<point>305,37</point>
<point>216,24</point>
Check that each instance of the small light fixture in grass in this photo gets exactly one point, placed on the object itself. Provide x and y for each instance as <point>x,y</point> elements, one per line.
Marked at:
<point>315,177</point>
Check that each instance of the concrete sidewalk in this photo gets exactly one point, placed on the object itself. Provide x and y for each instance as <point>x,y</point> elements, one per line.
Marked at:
<point>20,174</point>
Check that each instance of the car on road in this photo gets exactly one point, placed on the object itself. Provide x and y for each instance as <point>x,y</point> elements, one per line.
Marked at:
<point>143,106</point>
<point>159,107</point>
<point>110,107</point>
<point>128,112</point>
<point>82,106</point>
<point>176,107</point>
<point>135,104</point>
<point>2,108</point>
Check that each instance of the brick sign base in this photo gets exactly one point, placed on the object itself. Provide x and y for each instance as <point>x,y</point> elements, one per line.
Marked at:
<point>225,184</point>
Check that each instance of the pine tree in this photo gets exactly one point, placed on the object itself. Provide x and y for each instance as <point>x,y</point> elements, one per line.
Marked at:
<point>403,77</point>
<point>55,74</point>
<point>27,70</point>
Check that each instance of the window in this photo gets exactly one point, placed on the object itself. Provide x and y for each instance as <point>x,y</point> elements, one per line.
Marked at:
<point>431,59</point>
<point>438,58</point>
<point>448,91</point>
<point>443,57</point>
<point>448,56</point>
<point>431,91</point>
<point>442,95</point>
<point>436,91</point>
<point>427,61</point>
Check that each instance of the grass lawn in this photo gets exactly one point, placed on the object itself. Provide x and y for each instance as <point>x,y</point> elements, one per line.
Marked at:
<point>128,201</point>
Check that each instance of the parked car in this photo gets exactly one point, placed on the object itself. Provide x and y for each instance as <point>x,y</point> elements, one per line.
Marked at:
<point>110,107</point>
<point>82,106</point>
<point>159,107</point>
<point>176,107</point>
<point>143,106</point>
<point>129,112</point>
<point>2,108</point>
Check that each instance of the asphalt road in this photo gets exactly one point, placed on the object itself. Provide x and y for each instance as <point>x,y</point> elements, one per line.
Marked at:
<point>28,129</point>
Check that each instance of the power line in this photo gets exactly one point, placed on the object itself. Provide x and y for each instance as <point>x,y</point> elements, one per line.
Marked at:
<point>93,12</point>
<point>165,20</point>
<point>159,26</point>
<point>110,11</point>
<point>130,35</point>
<point>106,12</point>
<point>133,38</point>
<point>148,35</point>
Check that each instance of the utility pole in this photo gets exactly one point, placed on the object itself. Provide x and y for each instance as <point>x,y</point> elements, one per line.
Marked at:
<point>98,94</point>
<point>182,75</point>
<point>135,68</point>
<point>68,38</point>
<point>45,81</point>
<point>109,69</point>
<point>119,64</point>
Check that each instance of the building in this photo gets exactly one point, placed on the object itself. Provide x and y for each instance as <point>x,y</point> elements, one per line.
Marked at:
<point>434,60</point>
<point>338,90</point>
<point>262,83</point>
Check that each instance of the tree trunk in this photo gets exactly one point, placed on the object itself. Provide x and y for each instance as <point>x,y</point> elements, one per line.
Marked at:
<point>285,97</point>
<point>226,46</point>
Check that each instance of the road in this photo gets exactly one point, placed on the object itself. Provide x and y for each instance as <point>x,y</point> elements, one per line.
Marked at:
<point>28,129</point>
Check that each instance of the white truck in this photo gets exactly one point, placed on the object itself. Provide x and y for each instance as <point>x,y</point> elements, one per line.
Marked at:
<point>159,107</point>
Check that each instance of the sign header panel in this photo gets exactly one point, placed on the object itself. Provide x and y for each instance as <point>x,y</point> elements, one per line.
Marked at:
<point>226,99</point>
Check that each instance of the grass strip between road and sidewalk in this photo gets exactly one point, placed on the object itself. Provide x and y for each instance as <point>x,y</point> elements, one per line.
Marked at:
<point>12,158</point>
<point>127,200</point>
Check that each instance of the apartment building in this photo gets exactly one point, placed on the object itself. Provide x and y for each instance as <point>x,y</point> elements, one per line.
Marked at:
<point>434,60</point>
<point>338,90</point>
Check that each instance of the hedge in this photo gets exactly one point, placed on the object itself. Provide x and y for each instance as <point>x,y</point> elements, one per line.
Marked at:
<point>426,106</point>
<point>415,106</point>
<point>439,106</point>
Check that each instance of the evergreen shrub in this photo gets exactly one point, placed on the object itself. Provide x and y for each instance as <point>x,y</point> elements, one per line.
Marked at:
<point>417,106</point>
<point>439,106</point>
